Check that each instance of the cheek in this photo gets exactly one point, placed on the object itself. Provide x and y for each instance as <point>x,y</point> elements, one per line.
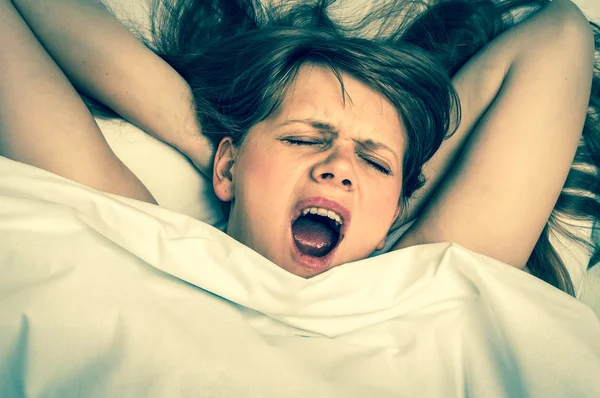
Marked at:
<point>263,171</point>
<point>263,190</point>
<point>384,203</point>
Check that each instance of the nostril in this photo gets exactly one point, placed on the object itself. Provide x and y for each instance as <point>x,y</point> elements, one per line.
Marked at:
<point>330,176</point>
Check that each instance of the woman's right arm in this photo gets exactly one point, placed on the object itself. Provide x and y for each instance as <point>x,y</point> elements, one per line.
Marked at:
<point>105,61</point>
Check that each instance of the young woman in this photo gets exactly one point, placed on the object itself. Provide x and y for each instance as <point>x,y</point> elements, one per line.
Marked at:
<point>303,115</point>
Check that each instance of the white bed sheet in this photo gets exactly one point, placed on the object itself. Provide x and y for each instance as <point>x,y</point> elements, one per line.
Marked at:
<point>103,296</point>
<point>106,296</point>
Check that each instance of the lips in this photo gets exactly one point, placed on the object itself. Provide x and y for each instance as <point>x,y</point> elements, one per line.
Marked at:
<point>317,201</point>
<point>312,264</point>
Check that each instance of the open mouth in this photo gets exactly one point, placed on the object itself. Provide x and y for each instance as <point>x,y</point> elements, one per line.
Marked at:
<point>317,231</point>
<point>318,226</point>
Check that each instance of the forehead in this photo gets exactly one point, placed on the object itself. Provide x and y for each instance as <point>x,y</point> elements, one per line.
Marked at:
<point>363,114</point>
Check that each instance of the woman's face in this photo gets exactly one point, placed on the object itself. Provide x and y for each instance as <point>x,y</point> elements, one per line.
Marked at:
<point>316,154</point>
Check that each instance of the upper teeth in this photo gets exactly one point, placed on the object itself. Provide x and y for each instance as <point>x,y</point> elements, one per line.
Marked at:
<point>323,212</point>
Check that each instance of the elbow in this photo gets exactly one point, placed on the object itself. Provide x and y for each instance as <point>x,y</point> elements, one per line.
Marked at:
<point>575,29</point>
<point>564,25</point>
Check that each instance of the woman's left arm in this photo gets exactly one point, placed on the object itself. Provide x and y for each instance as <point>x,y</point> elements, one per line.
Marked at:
<point>524,99</point>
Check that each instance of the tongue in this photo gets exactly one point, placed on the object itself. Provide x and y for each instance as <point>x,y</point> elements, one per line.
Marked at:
<point>313,237</point>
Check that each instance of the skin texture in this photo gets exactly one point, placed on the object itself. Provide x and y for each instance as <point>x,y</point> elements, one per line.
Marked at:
<point>43,120</point>
<point>115,68</point>
<point>524,121</point>
<point>334,167</point>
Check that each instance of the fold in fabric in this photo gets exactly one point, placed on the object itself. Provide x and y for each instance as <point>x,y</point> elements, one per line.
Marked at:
<point>106,296</point>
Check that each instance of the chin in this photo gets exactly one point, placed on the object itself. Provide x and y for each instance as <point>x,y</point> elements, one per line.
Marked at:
<point>303,272</point>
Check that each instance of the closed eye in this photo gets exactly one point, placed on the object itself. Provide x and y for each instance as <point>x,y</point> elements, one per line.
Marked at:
<point>301,142</point>
<point>295,141</point>
<point>376,166</point>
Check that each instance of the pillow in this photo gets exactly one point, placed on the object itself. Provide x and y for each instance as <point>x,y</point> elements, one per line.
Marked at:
<point>173,180</point>
<point>591,8</point>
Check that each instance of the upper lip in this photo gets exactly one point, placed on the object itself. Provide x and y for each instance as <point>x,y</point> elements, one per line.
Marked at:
<point>319,201</point>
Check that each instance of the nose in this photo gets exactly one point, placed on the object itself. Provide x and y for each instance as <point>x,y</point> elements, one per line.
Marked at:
<point>336,169</point>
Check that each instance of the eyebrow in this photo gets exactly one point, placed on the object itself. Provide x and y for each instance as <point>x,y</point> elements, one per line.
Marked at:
<point>324,127</point>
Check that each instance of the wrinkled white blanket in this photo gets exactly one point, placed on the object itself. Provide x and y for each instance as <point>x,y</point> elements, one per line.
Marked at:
<point>102,296</point>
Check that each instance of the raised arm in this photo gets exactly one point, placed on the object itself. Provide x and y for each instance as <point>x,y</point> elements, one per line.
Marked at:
<point>44,122</point>
<point>524,101</point>
<point>105,61</point>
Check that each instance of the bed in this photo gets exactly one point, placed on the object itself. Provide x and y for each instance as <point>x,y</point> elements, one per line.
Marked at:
<point>104,296</point>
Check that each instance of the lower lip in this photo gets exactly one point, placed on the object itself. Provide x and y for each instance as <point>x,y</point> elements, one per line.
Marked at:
<point>315,265</point>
